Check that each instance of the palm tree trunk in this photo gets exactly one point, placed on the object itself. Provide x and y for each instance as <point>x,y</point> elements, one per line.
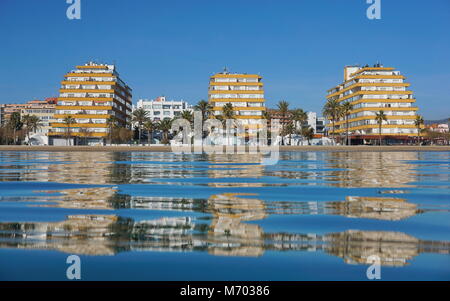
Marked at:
<point>346,125</point>
<point>418,135</point>
<point>380,134</point>
<point>140,132</point>
<point>333,130</point>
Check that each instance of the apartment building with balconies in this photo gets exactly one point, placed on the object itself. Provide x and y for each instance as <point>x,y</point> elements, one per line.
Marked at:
<point>370,90</point>
<point>91,94</point>
<point>244,91</point>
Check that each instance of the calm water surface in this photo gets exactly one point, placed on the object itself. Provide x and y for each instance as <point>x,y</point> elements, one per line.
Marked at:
<point>161,216</point>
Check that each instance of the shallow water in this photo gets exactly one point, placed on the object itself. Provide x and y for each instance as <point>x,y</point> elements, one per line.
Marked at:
<point>161,216</point>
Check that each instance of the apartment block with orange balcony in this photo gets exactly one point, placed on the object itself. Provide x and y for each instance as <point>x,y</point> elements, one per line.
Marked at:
<point>371,89</point>
<point>91,94</point>
<point>244,91</point>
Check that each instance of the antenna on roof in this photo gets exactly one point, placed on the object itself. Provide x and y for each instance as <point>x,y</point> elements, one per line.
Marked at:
<point>225,69</point>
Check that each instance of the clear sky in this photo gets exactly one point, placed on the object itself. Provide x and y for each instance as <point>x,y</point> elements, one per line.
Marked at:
<point>171,47</point>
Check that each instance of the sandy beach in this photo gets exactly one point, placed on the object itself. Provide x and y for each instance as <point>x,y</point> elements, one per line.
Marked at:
<point>160,148</point>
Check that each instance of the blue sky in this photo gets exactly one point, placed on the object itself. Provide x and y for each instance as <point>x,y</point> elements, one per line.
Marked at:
<point>171,47</point>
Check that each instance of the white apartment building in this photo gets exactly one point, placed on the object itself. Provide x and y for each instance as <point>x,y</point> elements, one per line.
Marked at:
<point>161,108</point>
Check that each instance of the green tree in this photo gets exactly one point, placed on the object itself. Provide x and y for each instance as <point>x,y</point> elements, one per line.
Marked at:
<point>140,117</point>
<point>268,117</point>
<point>35,123</point>
<point>205,108</point>
<point>289,129</point>
<point>299,116</point>
<point>187,115</point>
<point>346,109</point>
<point>150,127</point>
<point>26,120</point>
<point>165,126</point>
<point>15,124</point>
<point>308,133</point>
<point>32,123</point>
<point>227,111</point>
<point>418,122</point>
<point>332,110</point>
<point>112,123</point>
<point>380,117</point>
<point>68,121</point>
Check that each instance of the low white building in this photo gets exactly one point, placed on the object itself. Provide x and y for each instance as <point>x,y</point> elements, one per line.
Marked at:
<point>160,108</point>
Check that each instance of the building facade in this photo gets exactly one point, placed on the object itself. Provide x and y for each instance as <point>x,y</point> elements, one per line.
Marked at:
<point>374,89</point>
<point>161,108</point>
<point>44,109</point>
<point>244,91</point>
<point>6,110</point>
<point>312,121</point>
<point>91,94</point>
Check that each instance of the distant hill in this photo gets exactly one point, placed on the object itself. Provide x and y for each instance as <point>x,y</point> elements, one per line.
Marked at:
<point>437,121</point>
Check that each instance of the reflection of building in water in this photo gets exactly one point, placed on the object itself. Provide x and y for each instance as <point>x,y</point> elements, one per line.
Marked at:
<point>93,234</point>
<point>69,167</point>
<point>146,166</point>
<point>109,235</point>
<point>372,169</point>
<point>229,211</point>
<point>82,168</point>
<point>376,208</point>
<point>349,169</point>
<point>393,248</point>
<point>83,198</point>
<point>235,166</point>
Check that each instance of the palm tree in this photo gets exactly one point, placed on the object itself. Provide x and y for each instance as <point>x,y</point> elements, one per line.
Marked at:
<point>205,108</point>
<point>35,123</point>
<point>380,117</point>
<point>32,123</point>
<point>346,108</point>
<point>283,109</point>
<point>15,123</point>
<point>332,110</point>
<point>140,117</point>
<point>268,117</point>
<point>418,122</point>
<point>308,133</point>
<point>227,111</point>
<point>165,126</point>
<point>299,116</point>
<point>26,120</point>
<point>188,116</point>
<point>289,129</point>
<point>150,127</point>
<point>111,122</point>
<point>68,121</point>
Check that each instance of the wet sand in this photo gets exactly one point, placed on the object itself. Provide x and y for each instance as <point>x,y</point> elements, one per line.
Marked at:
<point>166,148</point>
